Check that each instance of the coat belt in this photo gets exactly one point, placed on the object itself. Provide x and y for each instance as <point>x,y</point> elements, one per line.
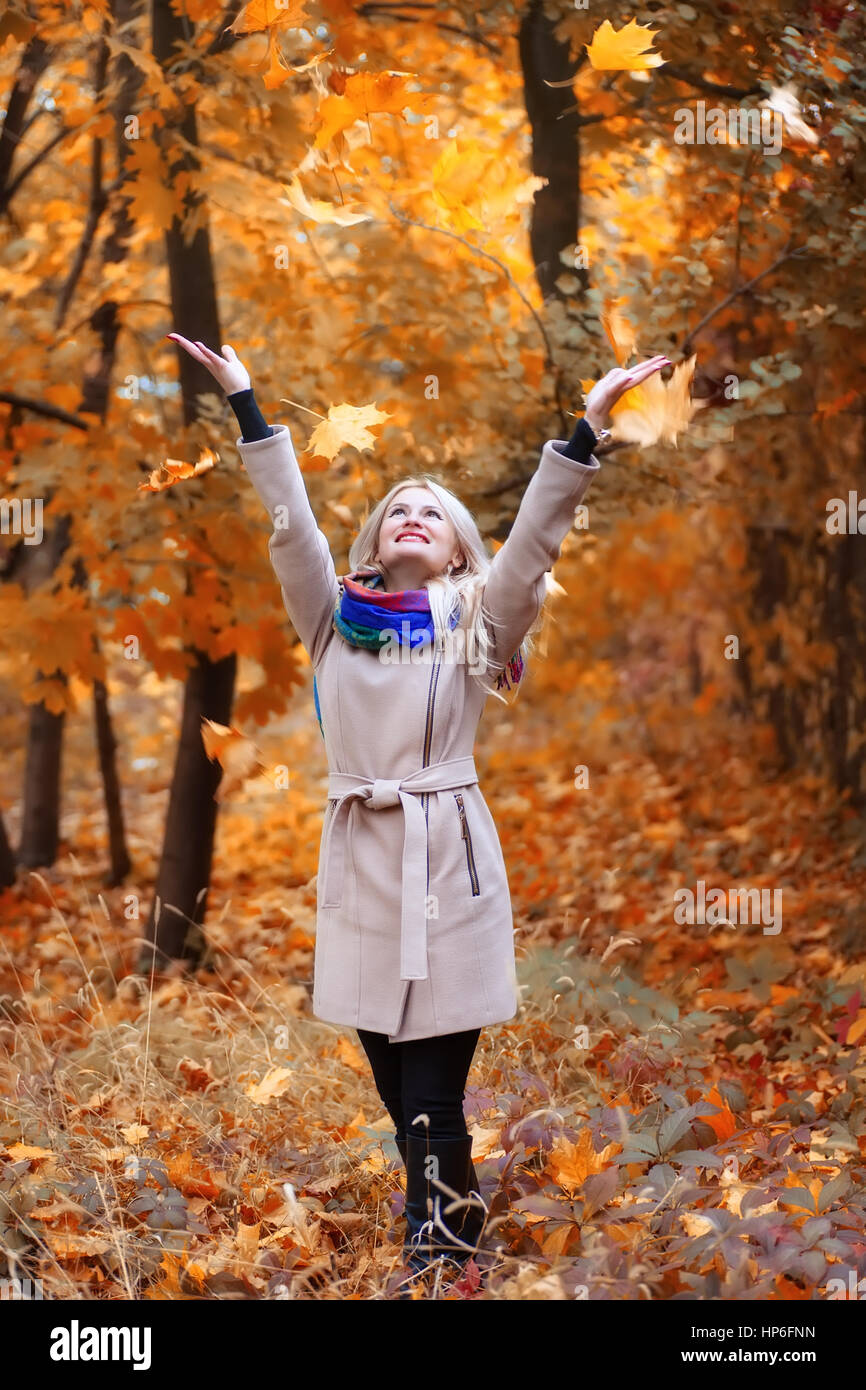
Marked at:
<point>378,793</point>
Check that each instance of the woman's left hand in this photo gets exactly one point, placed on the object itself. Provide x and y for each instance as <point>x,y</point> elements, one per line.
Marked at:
<point>607,391</point>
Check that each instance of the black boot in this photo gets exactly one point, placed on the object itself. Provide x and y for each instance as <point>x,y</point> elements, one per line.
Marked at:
<point>442,1224</point>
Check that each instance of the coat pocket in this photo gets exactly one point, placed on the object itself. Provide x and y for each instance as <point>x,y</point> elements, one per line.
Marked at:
<point>467,839</point>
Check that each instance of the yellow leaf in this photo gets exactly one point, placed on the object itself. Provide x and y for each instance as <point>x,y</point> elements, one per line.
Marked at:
<point>459,174</point>
<point>571,1164</point>
<point>624,50</point>
<point>694,1224</point>
<point>353,1128</point>
<point>319,209</point>
<point>655,410</point>
<point>133,1134</point>
<point>248,1244</point>
<point>621,335</point>
<point>348,1053</point>
<point>367,92</point>
<point>857,1029</point>
<point>346,424</point>
<point>271,1085</point>
<point>269,14</point>
<point>18,1151</point>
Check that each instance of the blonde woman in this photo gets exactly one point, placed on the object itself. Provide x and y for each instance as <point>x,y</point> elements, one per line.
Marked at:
<point>414,942</point>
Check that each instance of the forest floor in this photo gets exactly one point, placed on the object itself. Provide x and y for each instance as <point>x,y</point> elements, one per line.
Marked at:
<point>677,1108</point>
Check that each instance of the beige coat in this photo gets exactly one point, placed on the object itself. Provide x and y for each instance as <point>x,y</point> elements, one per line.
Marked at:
<point>414,925</point>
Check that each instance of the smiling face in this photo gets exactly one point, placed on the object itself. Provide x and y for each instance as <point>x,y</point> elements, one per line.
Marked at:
<point>416,539</point>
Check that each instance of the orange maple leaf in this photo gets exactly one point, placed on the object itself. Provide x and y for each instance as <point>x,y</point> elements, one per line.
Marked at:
<point>723,1124</point>
<point>236,754</point>
<point>175,469</point>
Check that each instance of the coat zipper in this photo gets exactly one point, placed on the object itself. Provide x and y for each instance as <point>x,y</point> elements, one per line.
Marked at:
<point>428,743</point>
<point>470,857</point>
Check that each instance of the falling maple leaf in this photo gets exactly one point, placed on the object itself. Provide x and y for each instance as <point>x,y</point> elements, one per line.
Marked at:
<point>623,50</point>
<point>620,333</point>
<point>319,209</point>
<point>655,409</point>
<point>175,469</point>
<point>365,93</point>
<point>236,754</point>
<point>462,169</point>
<point>345,424</point>
<point>270,14</point>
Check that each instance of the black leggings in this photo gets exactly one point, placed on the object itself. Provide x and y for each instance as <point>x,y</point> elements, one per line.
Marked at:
<point>423,1076</point>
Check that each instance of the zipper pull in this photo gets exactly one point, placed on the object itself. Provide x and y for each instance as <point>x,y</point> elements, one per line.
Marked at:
<point>464,829</point>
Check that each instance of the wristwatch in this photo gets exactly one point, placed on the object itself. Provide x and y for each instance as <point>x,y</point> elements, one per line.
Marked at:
<point>600,435</point>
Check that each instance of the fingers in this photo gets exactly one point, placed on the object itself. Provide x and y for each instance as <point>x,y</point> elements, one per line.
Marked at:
<point>192,348</point>
<point>637,374</point>
<point>209,353</point>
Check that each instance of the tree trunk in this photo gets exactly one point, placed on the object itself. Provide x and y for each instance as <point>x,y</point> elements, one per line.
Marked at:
<point>174,925</point>
<point>555,147</point>
<point>34,61</point>
<point>7,859</point>
<point>40,821</point>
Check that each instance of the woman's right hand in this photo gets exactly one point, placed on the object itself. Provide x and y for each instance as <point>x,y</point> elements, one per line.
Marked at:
<point>228,369</point>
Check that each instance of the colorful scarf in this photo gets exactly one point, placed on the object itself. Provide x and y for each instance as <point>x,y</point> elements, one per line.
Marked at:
<point>365,610</point>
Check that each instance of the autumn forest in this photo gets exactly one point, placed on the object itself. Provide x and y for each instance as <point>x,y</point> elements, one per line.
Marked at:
<point>428,230</point>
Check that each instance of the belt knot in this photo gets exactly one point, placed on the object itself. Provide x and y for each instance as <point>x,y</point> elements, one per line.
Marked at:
<point>385,792</point>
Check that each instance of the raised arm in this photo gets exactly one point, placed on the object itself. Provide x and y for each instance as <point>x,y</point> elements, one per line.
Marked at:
<point>516,585</point>
<point>299,550</point>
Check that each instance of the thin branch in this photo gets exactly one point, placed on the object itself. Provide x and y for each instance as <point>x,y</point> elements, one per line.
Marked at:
<point>477,251</point>
<point>703,84</point>
<point>53,412</point>
<point>388,10</point>
<point>12,188</point>
<point>34,61</point>
<point>786,255</point>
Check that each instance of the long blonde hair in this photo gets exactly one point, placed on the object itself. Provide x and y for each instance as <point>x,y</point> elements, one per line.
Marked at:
<point>463,585</point>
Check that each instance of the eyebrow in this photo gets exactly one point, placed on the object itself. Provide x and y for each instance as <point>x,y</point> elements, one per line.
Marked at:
<point>430,506</point>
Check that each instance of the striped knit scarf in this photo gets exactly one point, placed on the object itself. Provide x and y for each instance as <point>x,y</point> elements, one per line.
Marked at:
<point>366,615</point>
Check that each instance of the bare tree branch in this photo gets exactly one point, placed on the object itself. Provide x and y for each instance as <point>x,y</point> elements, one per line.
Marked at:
<point>52,412</point>
<point>787,255</point>
<point>388,11</point>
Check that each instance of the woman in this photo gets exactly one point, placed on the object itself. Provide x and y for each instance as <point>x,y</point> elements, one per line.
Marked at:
<point>414,941</point>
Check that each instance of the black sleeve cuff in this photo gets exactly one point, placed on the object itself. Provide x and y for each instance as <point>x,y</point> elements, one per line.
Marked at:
<point>252,422</point>
<point>581,443</point>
